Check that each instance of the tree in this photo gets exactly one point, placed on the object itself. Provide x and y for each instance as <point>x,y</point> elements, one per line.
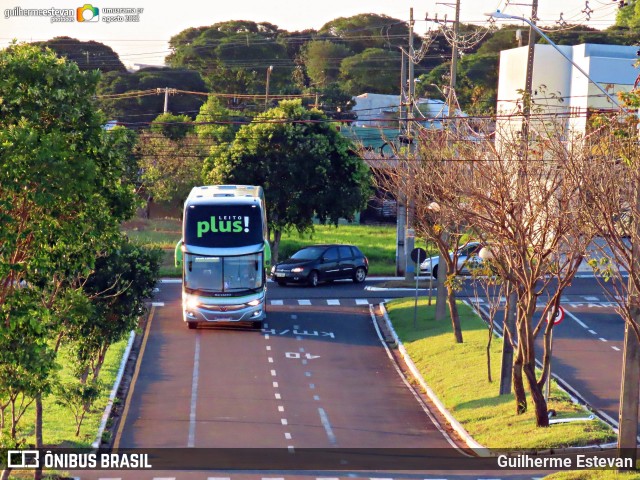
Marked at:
<point>233,56</point>
<point>305,166</point>
<point>322,60</point>
<point>170,157</point>
<point>88,55</point>
<point>63,191</point>
<point>356,77</point>
<point>141,108</point>
<point>367,30</point>
<point>629,15</point>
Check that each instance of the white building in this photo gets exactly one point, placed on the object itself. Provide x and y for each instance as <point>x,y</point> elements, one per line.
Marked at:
<point>376,110</point>
<point>559,87</point>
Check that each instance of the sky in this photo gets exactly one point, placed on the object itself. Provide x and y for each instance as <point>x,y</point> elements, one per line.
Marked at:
<point>145,41</point>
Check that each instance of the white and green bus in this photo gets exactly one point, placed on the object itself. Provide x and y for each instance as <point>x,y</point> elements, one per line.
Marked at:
<point>225,256</point>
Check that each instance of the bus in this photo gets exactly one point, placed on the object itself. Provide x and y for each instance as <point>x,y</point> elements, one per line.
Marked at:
<point>225,255</point>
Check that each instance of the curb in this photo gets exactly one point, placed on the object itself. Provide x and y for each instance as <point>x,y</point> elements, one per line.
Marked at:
<point>114,390</point>
<point>479,449</point>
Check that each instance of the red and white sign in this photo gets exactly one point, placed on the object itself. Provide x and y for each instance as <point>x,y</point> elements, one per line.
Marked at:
<point>559,316</point>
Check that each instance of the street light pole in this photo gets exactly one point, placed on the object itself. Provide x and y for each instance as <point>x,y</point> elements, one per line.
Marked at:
<point>266,94</point>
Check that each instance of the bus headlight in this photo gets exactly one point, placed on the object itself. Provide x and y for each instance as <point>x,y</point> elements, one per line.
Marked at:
<point>192,303</point>
<point>253,303</point>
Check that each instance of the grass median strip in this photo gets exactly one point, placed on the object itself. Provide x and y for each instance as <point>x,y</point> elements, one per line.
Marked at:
<point>457,373</point>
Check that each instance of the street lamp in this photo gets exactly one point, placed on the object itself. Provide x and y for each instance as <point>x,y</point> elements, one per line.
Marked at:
<point>266,95</point>
<point>499,14</point>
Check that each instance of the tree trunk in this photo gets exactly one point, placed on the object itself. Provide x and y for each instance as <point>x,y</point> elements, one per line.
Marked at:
<point>37,473</point>
<point>537,396</point>
<point>5,474</point>
<point>455,317</point>
<point>518,384</point>
<point>277,235</point>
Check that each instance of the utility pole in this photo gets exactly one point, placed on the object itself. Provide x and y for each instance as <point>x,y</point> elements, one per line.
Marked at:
<point>409,235</point>
<point>528,85</point>
<point>441,295</point>
<point>401,209</point>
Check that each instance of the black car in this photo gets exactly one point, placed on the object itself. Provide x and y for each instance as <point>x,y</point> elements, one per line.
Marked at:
<point>322,263</point>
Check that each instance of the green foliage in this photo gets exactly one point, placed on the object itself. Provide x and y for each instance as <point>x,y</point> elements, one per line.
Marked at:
<point>629,15</point>
<point>138,109</point>
<point>227,55</point>
<point>173,127</point>
<point>77,397</point>
<point>304,165</point>
<point>88,55</point>
<point>356,72</point>
<point>322,59</point>
<point>368,30</point>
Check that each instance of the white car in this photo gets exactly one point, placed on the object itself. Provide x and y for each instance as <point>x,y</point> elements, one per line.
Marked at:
<point>468,253</point>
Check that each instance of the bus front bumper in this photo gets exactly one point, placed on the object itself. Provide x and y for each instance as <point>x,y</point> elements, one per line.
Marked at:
<point>204,313</point>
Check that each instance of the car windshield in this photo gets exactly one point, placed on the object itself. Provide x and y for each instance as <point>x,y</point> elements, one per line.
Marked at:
<point>223,274</point>
<point>310,253</point>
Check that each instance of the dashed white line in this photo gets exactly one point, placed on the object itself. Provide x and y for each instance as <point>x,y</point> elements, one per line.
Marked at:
<point>294,317</point>
<point>277,302</point>
<point>576,319</point>
<point>362,301</point>
<point>307,374</point>
<point>284,421</point>
<point>316,398</point>
<point>270,359</point>
<point>278,396</point>
<point>304,302</point>
<point>275,384</point>
<point>312,386</point>
<point>268,347</point>
<point>615,348</point>
<point>280,408</point>
<point>333,302</point>
<point>157,304</point>
<point>287,436</point>
<point>218,478</point>
<point>591,299</point>
<point>194,393</point>
<point>603,339</point>
<point>273,373</point>
<point>291,449</point>
<point>327,426</point>
<point>592,332</point>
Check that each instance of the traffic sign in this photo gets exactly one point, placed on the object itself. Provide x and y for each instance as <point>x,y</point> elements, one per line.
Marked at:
<point>418,255</point>
<point>559,316</point>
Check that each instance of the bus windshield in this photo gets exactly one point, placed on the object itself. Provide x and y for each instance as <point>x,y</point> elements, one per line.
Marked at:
<point>223,274</point>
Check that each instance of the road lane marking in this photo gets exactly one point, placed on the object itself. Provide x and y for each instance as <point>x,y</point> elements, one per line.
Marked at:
<point>134,379</point>
<point>277,302</point>
<point>287,436</point>
<point>603,339</point>
<point>327,426</point>
<point>269,348</point>
<point>333,302</point>
<point>592,332</point>
<point>284,421</point>
<point>218,478</point>
<point>278,396</point>
<point>273,373</point>
<point>362,301</point>
<point>576,319</point>
<point>275,384</point>
<point>157,304</point>
<point>316,398</point>
<point>304,302</point>
<point>280,408</point>
<point>590,299</point>
<point>270,359</point>
<point>616,348</point>
<point>194,392</point>
<point>307,374</point>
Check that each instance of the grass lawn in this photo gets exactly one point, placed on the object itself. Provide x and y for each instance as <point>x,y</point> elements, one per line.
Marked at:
<point>594,475</point>
<point>376,242</point>
<point>457,373</point>
<point>58,424</point>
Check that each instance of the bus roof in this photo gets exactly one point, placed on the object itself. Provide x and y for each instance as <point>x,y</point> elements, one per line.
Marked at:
<point>220,194</point>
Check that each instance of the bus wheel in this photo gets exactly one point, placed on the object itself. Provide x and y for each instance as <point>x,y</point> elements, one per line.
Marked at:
<point>192,325</point>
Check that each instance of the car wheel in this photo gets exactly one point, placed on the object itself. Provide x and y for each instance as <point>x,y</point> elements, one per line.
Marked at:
<point>435,272</point>
<point>282,283</point>
<point>313,279</point>
<point>192,325</point>
<point>359,275</point>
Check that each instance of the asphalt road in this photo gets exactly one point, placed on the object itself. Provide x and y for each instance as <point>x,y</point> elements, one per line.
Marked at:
<point>318,377</point>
